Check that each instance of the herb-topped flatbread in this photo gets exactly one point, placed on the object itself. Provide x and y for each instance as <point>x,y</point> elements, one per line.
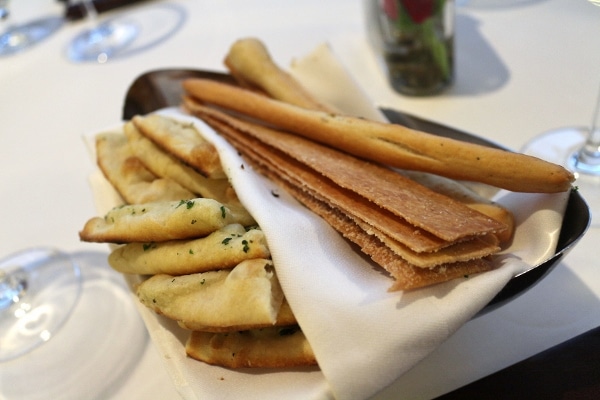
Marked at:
<point>166,165</point>
<point>182,141</point>
<point>222,249</point>
<point>130,177</point>
<point>247,295</point>
<point>161,221</point>
<point>276,347</point>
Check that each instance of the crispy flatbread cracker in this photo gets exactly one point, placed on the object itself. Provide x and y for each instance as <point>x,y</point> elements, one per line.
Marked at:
<point>477,247</point>
<point>248,294</point>
<point>501,214</point>
<point>128,175</point>
<point>469,197</point>
<point>161,221</point>
<point>183,141</point>
<point>418,205</point>
<point>358,207</point>
<point>372,220</point>
<point>407,275</point>
<point>167,166</point>
<point>283,347</point>
<point>222,249</point>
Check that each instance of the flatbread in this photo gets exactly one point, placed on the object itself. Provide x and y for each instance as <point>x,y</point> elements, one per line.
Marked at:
<point>129,176</point>
<point>373,220</point>
<point>247,295</point>
<point>182,141</point>
<point>469,197</point>
<point>259,348</point>
<point>407,275</point>
<point>162,221</point>
<point>421,207</point>
<point>167,166</point>
<point>285,317</point>
<point>222,249</point>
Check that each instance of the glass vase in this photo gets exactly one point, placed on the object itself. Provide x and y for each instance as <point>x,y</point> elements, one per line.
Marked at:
<point>415,40</point>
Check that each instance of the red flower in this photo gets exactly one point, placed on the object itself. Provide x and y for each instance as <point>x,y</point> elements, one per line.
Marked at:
<point>419,10</point>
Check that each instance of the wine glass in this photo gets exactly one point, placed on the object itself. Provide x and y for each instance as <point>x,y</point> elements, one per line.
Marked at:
<point>578,149</point>
<point>38,290</point>
<point>21,37</point>
<point>125,34</point>
<point>68,327</point>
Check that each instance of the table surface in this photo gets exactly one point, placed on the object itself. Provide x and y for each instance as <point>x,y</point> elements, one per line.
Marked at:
<point>522,68</point>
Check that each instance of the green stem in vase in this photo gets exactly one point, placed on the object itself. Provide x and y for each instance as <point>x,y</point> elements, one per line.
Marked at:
<point>438,47</point>
<point>419,51</point>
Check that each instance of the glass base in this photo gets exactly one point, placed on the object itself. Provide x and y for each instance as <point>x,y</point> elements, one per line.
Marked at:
<point>22,37</point>
<point>127,34</point>
<point>103,42</point>
<point>559,146</point>
<point>96,349</point>
<point>38,290</point>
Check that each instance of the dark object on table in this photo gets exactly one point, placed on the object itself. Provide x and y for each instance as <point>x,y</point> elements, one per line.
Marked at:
<point>570,371</point>
<point>78,11</point>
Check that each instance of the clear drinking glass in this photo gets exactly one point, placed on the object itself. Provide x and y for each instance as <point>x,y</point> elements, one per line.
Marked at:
<point>126,33</point>
<point>578,149</point>
<point>38,290</point>
<point>68,326</point>
<point>15,39</point>
<point>103,40</point>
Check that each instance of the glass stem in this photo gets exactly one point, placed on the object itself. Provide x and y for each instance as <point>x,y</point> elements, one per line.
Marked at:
<point>587,158</point>
<point>12,287</point>
<point>593,140</point>
<point>4,12</point>
<point>90,9</point>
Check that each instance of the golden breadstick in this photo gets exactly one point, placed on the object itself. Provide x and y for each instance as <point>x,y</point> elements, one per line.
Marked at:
<point>249,62</point>
<point>391,144</point>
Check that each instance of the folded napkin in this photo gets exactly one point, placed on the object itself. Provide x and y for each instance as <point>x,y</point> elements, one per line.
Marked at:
<point>364,337</point>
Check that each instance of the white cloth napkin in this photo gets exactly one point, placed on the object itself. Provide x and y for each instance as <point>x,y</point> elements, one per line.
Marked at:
<point>363,336</point>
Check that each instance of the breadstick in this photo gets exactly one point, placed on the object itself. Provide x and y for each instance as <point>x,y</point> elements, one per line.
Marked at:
<point>249,62</point>
<point>390,144</point>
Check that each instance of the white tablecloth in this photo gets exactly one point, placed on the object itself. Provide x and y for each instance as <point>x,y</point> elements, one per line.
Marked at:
<point>523,67</point>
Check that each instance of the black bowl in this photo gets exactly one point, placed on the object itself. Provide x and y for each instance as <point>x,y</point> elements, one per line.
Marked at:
<point>158,89</point>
